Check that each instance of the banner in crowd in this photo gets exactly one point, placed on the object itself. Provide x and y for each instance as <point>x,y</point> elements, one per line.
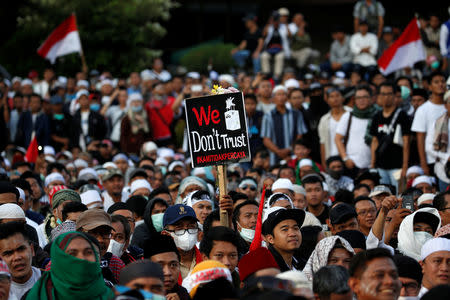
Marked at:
<point>217,130</point>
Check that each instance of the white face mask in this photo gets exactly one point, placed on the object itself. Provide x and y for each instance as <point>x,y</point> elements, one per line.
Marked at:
<point>407,298</point>
<point>422,237</point>
<point>186,241</point>
<point>116,248</point>
<point>247,234</point>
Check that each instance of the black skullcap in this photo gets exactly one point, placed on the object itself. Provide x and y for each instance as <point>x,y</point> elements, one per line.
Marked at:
<point>420,92</point>
<point>6,187</point>
<point>408,267</point>
<point>118,206</point>
<point>332,159</point>
<point>159,244</point>
<point>355,237</point>
<point>139,269</point>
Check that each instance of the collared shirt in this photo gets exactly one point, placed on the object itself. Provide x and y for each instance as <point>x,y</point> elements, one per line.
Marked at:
<point>423,291</point>
<point>282,129</point>
<point>108,200</point>
<point>341,53</point>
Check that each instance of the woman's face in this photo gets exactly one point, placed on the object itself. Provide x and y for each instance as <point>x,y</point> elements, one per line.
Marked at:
<point>423,227</point>
<point>80,248</point>
<point>202,210</point>
<point>339,257</point>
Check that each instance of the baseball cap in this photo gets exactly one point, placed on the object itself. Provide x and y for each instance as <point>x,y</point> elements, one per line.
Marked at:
<point>177,212</point>
<point>341,213</point>
<point>93,218</point>
<point>280,215</point>
<point>379,190</point>
<point>111,173</point>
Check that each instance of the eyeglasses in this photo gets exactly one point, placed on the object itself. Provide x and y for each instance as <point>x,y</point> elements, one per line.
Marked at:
<point>251,187</point>
<point>366,212</point>
<point>410,287</point>
<point>180,232</point>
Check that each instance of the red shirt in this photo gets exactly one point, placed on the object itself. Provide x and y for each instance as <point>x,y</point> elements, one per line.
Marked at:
<point>160,118</point>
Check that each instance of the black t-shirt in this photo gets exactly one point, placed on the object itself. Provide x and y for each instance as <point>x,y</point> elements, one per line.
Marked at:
<point>275,41</point>
<point>324,215</point>
<point>391,156</point>
<point>252,39</point>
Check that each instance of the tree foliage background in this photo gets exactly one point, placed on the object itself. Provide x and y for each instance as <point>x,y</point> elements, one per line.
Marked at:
<point>116,35</point>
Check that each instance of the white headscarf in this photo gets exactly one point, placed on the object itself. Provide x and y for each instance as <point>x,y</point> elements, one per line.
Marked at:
<point>407,242</point>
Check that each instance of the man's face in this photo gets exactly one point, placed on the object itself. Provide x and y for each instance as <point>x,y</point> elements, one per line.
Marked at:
<point>224,252</point>
<point>437,85</point>
<point>434,22</point>
<point>8,198</point>
<point>289,174</point>
<point>335,99</point>
<point>35,104</point>
<point>202,210</point>
<point>363,28</point>
<point>296,99</point>
<point>150,284</point>
<point>17,253</point>
<point>35,188</point>
<point>445,213</point>
<point>417,101</point>
<point>367,212</point>
<point>250,106</point>
<point>336,166</point>
<point>158,180</point>
<point>314,194</point>
<point>436,269</point>
<point>379,281</point>
<point>286,236</point>
<point>248,215</point>
<point>386,96</point>
<point>301,151</point>
<point>280,98</point>
<point>265,89</point>
<point>84,102</point>
<point>410,287</point>
<point>362,99</point>
<point>127,214</point>
<point>350,224</point>
<point>425,187</point>
<point>299,201</point>
<point>114,185</point>
<point>171,268</point>
<point>103,236</point>
<point>118,234</point>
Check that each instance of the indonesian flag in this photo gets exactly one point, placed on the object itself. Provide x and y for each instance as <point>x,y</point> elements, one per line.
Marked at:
<point>257,241</point>
<point>404,52</point>
<point>32,151</point>
<point>63,40</point>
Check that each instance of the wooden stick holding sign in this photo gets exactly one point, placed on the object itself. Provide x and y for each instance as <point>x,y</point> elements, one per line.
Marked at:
<point>217,133</point>
<point>222,176</point>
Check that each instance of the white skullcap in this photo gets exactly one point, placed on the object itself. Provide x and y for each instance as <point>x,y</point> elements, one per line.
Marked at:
<point>175,164</point>
<point>248,181</point>
<point>195,88</point>
<point>70,166</point>
<point>106,82</point>
<point>291,83</point>
<point>414,170</point>
<point>278,88</point>
<point>16,79</point>
<point>160,161</point>
<point>11,211</point>
<point>193,75</point>
<point>54,177</point>
<point>67,154</point>
<point>166,152</point>
<point>306,162</point>
<point>282,183</point>
<point>109,164</point>
<point>26,82</point>
<point>120,156</point>
<point>49,150</point>
<point>227,78</point>
<point>140,184</point>
<point>50,159</point>
<point>135,97</point>
<point>149,146</point>
<point>198,171</point>
<point>425,197</point>
<point>88,174</point>
<point>434,245</point>
<point>91,199</point>
<point>81,93</point>
<point>80,163</point>
<point>21,193</point>
<point>62,80</point>
<point>84,83</point>
<point>422,179</point>
<point>298,278</point>
<point>298,189</point>
<point>147,75</point>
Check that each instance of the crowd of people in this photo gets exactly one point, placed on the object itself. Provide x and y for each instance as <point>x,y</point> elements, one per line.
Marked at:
<point>346,194</point>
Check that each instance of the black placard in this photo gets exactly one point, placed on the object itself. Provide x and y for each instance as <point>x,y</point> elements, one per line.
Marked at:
<point>217,129</point>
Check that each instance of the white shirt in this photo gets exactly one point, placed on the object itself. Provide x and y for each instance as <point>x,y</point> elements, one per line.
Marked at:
<point>41,236</point>
<point>115,114</point>
<point>358,42</point>
<point>443,37</point>
<point>265,107</point>
<point>424,120</point>
<point>108,200</point>
<point>423,291</point>
<point>357,150</point>
<point>332,129</point>
<point>19,289</point>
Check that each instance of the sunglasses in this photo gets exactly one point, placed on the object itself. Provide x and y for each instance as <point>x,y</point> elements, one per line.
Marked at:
<point>251,187</point>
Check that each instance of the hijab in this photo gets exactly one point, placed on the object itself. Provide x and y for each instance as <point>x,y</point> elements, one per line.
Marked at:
<point>70,277</point>
<point>408,244</point>
<point>319,257</point>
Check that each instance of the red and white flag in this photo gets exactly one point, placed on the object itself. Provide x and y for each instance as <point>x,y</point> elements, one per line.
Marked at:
<point>404,52</point>
<point>63,40</point>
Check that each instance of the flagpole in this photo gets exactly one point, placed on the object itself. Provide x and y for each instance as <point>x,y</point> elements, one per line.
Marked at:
<point>84,67</point>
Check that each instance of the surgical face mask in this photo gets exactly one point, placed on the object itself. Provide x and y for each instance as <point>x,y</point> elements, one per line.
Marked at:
<point>58,117</point>
<point>336,174</point>
<point>116,248</point>
<point>247,234</point>
<point>435,64</point>
<point>186,241</point>
<point>95,107</point>
<point>405,92</point>
<point>157,220</point>
<point>407,298</point>
<point>422,237</point>
<point>136,108</point>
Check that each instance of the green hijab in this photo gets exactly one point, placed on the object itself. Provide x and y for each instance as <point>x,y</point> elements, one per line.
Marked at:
<point>70,277</point>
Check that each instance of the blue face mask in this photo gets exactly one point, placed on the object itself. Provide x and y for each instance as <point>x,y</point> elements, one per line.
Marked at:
<point>95,107</point>
<point>405,92</point>
<point>157,220</point>
<point>136,108</point>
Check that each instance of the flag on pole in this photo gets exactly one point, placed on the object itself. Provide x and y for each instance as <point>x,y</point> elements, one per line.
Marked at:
<point>404,52</point>
<point>32,151</point>
<point>62,41</point>
<point>256,243</point>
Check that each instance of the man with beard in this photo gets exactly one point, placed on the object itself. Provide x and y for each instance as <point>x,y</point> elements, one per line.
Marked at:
<point>373,275</point>
<point>367,212</point>
<point>17,251</point>
<point>113,183</point>
<point>335,176</point>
